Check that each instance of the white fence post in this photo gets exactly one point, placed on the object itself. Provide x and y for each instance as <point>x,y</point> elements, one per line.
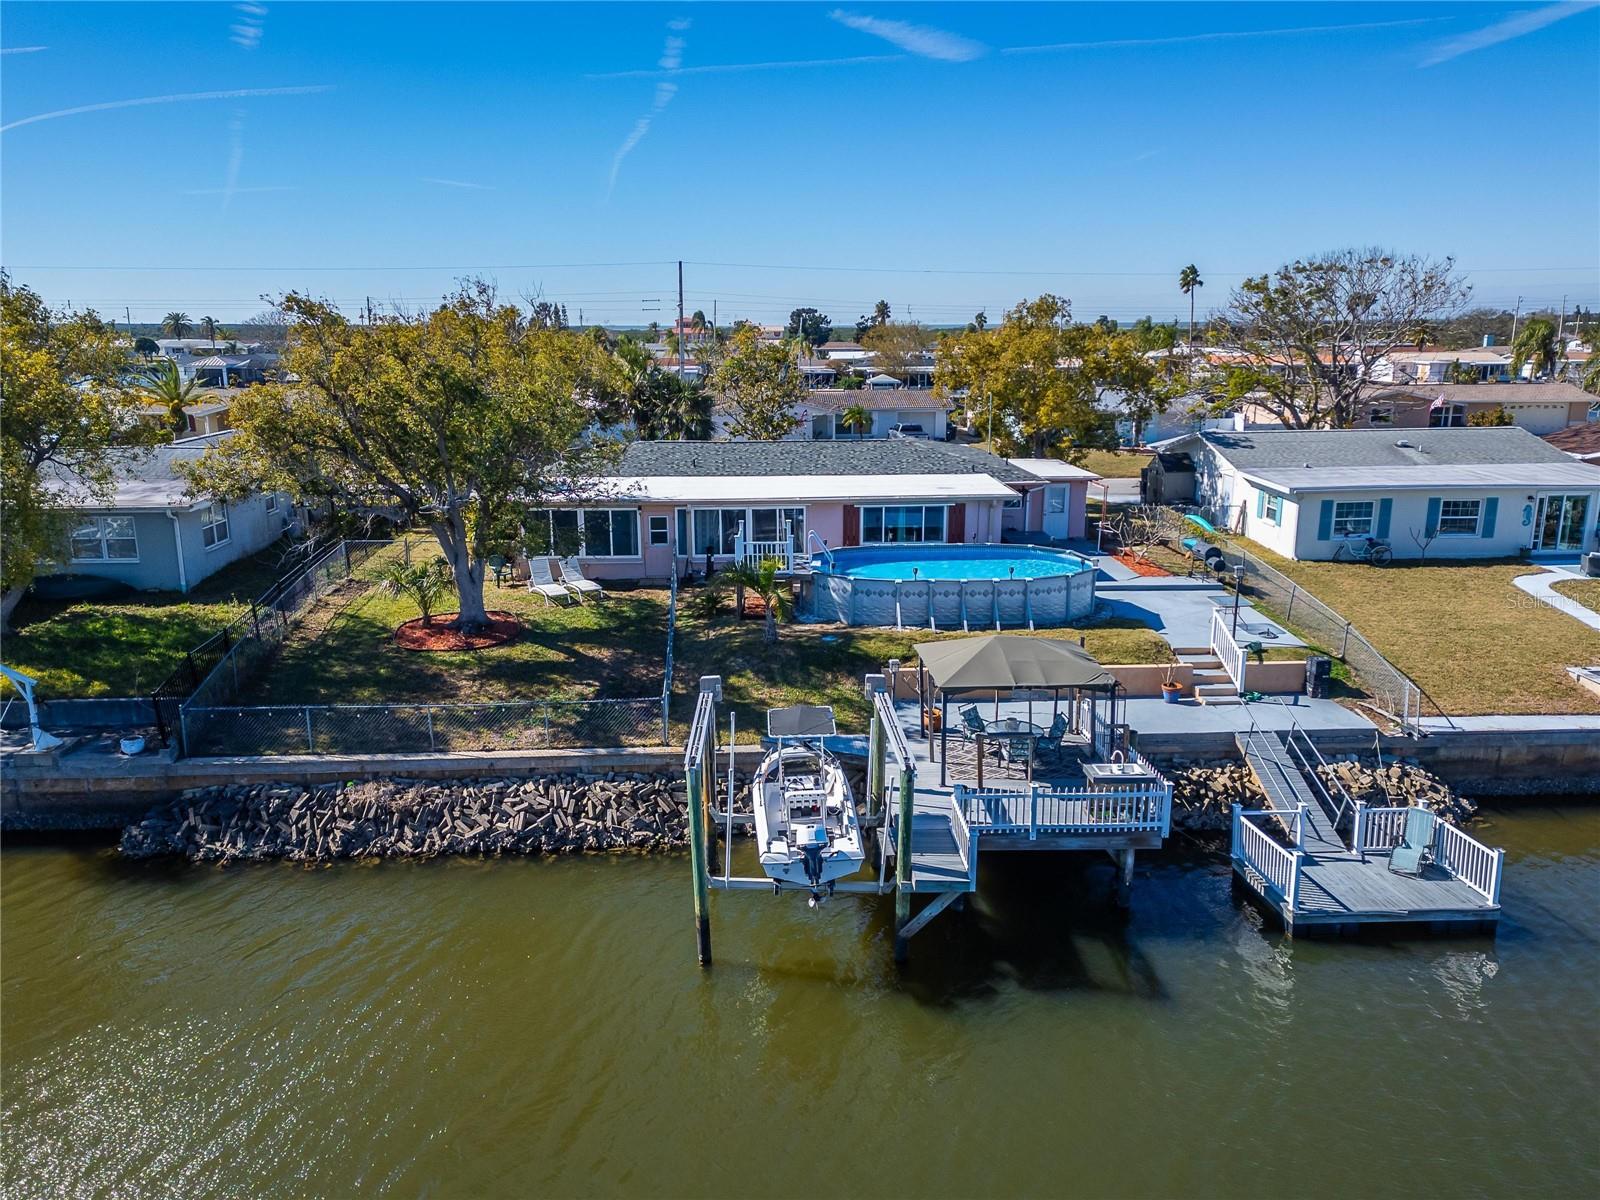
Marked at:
<point>311,744</point>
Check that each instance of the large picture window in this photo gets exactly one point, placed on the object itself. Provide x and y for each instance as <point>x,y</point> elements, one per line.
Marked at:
<point>591,532</point>
<point>105,539</point>
<point>1460,517</point>
<point>214,524</point>
<point>1352,518</point>
<point>895,523</point>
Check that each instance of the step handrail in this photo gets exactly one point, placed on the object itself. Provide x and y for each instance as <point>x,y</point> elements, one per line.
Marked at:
<point>811,536</point>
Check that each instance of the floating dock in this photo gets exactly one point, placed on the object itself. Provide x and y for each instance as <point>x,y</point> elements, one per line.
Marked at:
<point>1294,858</point>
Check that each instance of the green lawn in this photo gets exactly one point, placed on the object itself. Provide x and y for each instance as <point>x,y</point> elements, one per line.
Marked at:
<point>1585,591</point>
<point>85,648</point>
<point>612,648</point>
<point>1115,464</point>
<point>1473,641</point>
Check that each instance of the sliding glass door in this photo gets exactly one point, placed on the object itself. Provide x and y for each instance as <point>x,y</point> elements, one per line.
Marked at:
<point>1561,523</point>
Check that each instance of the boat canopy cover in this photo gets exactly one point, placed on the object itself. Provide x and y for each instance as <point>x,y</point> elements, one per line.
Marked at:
<point>802,720</point>
<point>1002,662</point>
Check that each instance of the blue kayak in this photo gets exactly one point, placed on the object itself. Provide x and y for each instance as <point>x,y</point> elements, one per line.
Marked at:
<point>1203,523</point>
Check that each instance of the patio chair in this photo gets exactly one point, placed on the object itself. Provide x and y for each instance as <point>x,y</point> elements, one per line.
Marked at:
<point>1050,743</point>
<point>971,721</point>
<point>498,564</point>
<point>1416,843</point>
<point>572,575</point>
<point>542,583</point>
<point>1016,750</point>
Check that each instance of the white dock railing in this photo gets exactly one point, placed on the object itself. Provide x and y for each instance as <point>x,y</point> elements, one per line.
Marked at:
<point>1278,865</point>
<point>1464,856</point>
<point>1136,808</point>
<point>1228,652</point>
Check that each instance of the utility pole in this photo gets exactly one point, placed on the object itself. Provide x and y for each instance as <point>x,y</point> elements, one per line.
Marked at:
<point>1515,318</point>
<point>680,320</point>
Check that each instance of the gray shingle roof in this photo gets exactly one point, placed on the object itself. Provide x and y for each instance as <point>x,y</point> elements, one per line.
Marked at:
<point>891,456</point>
<point>1378,447</point>
<point>1490,393</point>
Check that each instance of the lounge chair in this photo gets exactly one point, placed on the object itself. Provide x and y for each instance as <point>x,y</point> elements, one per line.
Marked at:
<point>572,575</point>
<point>1416,843</point>
<point>542,583</point>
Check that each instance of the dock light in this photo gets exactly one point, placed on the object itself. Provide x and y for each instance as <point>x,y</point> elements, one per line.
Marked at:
<point>894,672</point>
<point>1012,572</point>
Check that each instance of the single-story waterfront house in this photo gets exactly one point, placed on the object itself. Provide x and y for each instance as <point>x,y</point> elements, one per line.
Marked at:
<point>666,505</point>
<point>152,534</point>
<point>1448,493</point>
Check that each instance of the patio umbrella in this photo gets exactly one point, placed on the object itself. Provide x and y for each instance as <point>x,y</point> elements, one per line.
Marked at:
<point>1008,661</point>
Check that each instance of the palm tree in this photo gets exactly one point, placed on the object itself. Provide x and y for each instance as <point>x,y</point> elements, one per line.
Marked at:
<point>425,583</point>
<point>164,386</point>
<point>856,418</point>
<point>763,580</point>
<point>1188,280</point>
<point>1536,343</point>
<point>880,313</point>
<point>176,324</point>
<point>210,328</point>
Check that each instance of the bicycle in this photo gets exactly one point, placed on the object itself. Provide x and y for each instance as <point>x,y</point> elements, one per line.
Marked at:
<point>1368,550</point>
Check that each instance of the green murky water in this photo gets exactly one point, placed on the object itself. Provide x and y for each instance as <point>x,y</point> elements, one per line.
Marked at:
<point>534,1028</point>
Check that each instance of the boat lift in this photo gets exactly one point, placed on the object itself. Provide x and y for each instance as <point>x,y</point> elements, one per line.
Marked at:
<point>888,833</point>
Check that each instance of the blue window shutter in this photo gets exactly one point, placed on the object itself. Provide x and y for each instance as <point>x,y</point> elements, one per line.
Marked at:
<point>1325,521</point>
<point>1491,509</point>
<point>1433,517</point>
<point>1261,503</point>
<point>1385,511</point>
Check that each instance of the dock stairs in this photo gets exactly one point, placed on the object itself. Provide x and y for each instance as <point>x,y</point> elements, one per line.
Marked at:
<point>1288,791</point>
<point>1211,682</point>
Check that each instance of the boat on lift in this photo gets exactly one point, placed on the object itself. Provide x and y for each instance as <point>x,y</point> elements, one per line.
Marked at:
<point>806,823</point>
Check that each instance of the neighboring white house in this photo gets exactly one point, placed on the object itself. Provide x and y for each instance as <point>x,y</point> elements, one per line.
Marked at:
<point>219,362</point>
<point>153,535</point>
<point>1447,493</point>
<point>822,408</point>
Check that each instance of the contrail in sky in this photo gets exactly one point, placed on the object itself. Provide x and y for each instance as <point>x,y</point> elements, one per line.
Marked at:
<point>179,98</point>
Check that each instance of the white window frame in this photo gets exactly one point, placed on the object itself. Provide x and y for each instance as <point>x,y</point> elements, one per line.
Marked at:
<point>1055,499</point>
<point>102,538</point>
<point>1380,414</point>
<point>665,531</point>
<point>1271,508</point>
<point>944,524</point>
<point>1477,519</point>
<point>272,502</point>
<point>588,551</point>
<point>1344,527</point>
<point>213,516</point>
<point>1012,505</point>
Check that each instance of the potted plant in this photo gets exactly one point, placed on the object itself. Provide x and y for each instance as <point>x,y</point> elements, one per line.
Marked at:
<point>1171,689</point>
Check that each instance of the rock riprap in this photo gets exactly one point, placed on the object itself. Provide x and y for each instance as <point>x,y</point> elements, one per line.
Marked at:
<point>556,814</point>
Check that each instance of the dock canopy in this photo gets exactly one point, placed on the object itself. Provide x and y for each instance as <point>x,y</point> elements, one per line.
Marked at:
<point>1005,662</point>
<point>801,721</point>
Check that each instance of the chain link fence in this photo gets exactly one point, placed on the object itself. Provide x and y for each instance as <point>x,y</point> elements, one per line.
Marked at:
<point>1392,691</point>
<point>419,728</point>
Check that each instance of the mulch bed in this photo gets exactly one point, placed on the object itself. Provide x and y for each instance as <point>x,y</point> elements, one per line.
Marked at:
<point>1140,566</point>
<point>503,627</point>
<point>754,609</point>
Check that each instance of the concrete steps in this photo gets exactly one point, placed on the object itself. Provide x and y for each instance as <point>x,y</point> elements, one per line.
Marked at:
<point>1211,682</point>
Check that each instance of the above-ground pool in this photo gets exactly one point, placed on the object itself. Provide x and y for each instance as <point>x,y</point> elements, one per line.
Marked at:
<point>950,587</point>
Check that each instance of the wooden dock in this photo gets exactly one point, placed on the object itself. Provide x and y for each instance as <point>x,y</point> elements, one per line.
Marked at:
<point>1292,856</point>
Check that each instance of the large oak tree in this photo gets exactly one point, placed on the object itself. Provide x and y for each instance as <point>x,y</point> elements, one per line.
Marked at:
<point>759,384</point>
<point>1307,339</point>
<point>465,417</point>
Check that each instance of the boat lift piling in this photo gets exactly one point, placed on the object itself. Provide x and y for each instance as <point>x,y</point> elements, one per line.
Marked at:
<point>888,823</point>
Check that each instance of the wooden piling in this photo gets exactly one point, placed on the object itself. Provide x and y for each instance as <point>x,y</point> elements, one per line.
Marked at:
<point>902,863</point>
<point>876,752</point>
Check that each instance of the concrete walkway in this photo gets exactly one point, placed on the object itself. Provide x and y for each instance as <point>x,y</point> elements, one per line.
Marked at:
<point>1155,717</point>
<point>1539,586</point>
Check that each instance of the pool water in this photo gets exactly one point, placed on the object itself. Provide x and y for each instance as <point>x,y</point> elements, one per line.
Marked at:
<point>952,563</point>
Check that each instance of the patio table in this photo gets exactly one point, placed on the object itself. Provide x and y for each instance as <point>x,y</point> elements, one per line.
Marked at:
<point>1008,727</point>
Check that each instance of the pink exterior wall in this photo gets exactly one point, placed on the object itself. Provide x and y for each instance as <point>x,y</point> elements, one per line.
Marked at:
<point>1077,504</point>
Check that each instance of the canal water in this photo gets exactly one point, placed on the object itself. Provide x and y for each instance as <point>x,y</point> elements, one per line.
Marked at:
<point>538,1028</point>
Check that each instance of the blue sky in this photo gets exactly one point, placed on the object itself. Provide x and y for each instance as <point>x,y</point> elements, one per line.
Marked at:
<point>945,157</point>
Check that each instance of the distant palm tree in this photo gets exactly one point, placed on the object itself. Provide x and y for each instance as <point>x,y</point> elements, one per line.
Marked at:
<point>880,313</point>
<point>210,328</point>
<point>164,386</point>
<point>763,580</point>
<point>1536,342</point>
<point>856,418</point>
<point>176,324</point>
<point>1188,280</point>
